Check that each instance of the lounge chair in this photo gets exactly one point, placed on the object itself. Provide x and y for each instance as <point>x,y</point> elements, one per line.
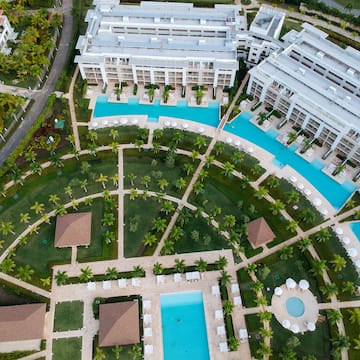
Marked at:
<point>243,335</point>
<point>235,288</point>
<point>106,284</point>
<point>147,332</point>
<point>91,285</point>
<point>223,347</point>
<point>122,283</point>
<point>149,349</point>
<point>177,277</point>
<point>215,290</point>
<point>146,304</point>
<point>219,314</point>
<point>135,282</point>
<point>237,301</point>
<point>220,330</point>
<point>160,279</point>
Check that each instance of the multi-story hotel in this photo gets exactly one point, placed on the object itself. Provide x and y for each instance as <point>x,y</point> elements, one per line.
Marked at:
<point>162,43</point>
<point>315,84</point>
<point>6,33</point>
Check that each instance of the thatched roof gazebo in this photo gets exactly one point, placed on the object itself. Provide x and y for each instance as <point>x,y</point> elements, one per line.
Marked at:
<point>119,323</point>
<point>259,232</point>
<point>73,230</point>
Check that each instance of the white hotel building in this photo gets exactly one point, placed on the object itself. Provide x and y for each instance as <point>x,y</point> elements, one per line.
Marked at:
<point>6,33</point>
<point>162,43</point>
<point>315,84</point>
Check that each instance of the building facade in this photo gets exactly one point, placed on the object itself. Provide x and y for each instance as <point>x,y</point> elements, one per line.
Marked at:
<point>162,43</point>
<point>6,33</point>
<point>315,85</point>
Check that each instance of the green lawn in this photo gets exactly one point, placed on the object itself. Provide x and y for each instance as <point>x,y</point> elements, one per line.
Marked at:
<point>141,164</point>
<point>315,343</point>
<point>142,212</point>
<point>68,316</point>
<point>326,251</point>
<point>355,3</point>
<point>253,325</point>
<point>65,349</point>
<point>352,331</point>
<point>247,294</point>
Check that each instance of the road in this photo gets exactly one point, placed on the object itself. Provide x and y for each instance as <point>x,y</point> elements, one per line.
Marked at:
<point>334,4</point>
<point>40,97</point>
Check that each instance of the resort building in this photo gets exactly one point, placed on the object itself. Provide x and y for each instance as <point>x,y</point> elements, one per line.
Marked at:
<point>160,43</point>
<point>315,85</point>
<point>6,33</point>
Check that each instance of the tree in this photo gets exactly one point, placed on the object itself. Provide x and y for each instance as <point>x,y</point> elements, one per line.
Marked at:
<point>189,168</point>
<point>146,181</point>
<point>157,269</point>
<point>194,155</point>
<point>159,225</point>
<point>150,239</point>
<point>261,192</point>
<point>225,278</point>
<point>136,352</point>
<point>109,237</point>
<point>157,134</point>
<point>293,197</point>
<point>99,354</point>
<point>209,160</point>
<point>307,215</point>
<point>251,269</point>
<point>338,262</point>
<point>53,198</point>
<point>7,228</point>
<point>25,273</point>
<point>61,278</point>
<point>228,168</point>
<point>60,209</point>
<point>354,315</point>
<point>200,142</point>
<point>334,316</point>
<point>272,181</point>
<point>198,188</point>
<point>203,174</point>
<point>108,219</point>
<point>111,273</point>
<point>168,247</point>
<point>117,351</point>
<point>323,235</point>
<point>329,290</point>
<point>201,265</point>
<point>318,267</point>
<point>138,144</point>
<point>115,180</point>
<point>286,253</point>
<point>261,301</point>
<point>38,208</point>
<point>24,218</point>
<point>292,226</point>
<point>349,287</point>
<point>180,265</point>
<point>304,243</point>
<point>237,156</point>
<point>7,265</point>
<point>138,271</point>
<point>265,316</point>
<point>133,194</point>
<point>86,274</point>
<point>68,191</point>
<point>340,342</point>
<point>85,167</point>
<point>102,179</point>
<point>256,170</point>
<point>266,332</point>
<point>264,350</point>
<point>219,148</point>
<point>276,207</point>
<point>257,286</point>
<point>229,221</point>
<point>35,168</point>
<point>221,262</point>
<point>180,183</point>
<point>167,207</point>
<point>92,136</point>
<point>163,184</point>
<point>228,307</point>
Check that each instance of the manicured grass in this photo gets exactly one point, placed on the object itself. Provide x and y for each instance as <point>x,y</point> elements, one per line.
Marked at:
<point>40,252</point>
<point>65,349</point>
<point>253,324</point>
<point>143,212</point>
<point>352,331</point>
<point>247,294</point>
<point>354,3</point>
<point>68,316</point>
<point>315,343</point>
<point>142,164</point>
<point>15,355</point>
<point>187,244</point>
<point>326,251</point>
<point>281,192</point>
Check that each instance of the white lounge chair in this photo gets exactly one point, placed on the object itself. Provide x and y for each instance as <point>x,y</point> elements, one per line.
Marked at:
<point>91,285</point>
<point>106,284</point>
<point>146,304</point>
<point>149,349</point>
<point>219,314</point>
<point>243,335</point>
<point>215,290</point>
<point>135,282</point>
<point>147,332</point>
<point>160,279</point>
<point>223,347</point>
<point>147,319</point>
<point>220,330</point>
<point>237,301</point>
<point>122,283</point>
<point>177,277</point>
<point>235,288</point>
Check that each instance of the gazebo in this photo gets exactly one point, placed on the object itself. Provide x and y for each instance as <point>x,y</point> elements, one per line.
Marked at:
<point>119,323</point>
<point>259,232</point>
<point>73,230</point>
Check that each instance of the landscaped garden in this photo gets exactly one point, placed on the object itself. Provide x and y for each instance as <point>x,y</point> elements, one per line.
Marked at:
<point>68,348</point>
<point>68,316</point>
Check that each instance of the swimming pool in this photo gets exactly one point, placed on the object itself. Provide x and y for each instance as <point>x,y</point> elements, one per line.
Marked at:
<point>295,306</point>
<point>335,193</point>
<point>355,227</point>
<point>183,326</point>
<point>206,115</point>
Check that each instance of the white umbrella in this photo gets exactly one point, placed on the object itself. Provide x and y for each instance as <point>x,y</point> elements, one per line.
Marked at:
<point>115,121</point>
<point>167,123</point>
<point>339,230</point>
<point>105,122</point>
<point>317,202</point>
<point>278,291</point>
<point>303,284</point>
<point>237,143</point>
<point>285,323</point>
<point>135,121</point>
<point>185,126</point>
<point>294,328</point>
<point>228,140</point>
<point>201,130</point>
<point>310,326</point>
<point>250,149</point>
<point>124,121</point>
<point>94,124</point>
<point>307,192</point>
<point>352,252</point>
<point>290,283</point>
<point>300,186</point>
<point>293,179</point>
<point>346,240</point>
<point>174,124</point>
<point>324,212</point>
<point>357,263</point>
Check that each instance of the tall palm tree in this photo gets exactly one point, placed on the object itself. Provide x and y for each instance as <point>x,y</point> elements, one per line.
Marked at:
<point>111,273</point>
<point>221,262</point>
<point>136,352</point>
<point>180,265</point>
<point>318,267</point>
<point>83,185</point>
<point>286,252</point>
<point>36,168</point>
<point>209,160</point>
<point>334,316</point>
<point>292,226</point>
<point>159,225</point>
<point>198,188</point>
<point>149,239</point>
<point>261,192</point>
<point>219,148</point>
<point>354,315</point>
<point>53,198</point>
<point>7,265</point>
<point>349,287</point>
<point>86,274</point>
<point>133,194</point>
<point>338,262</point>
<point>201,265</point>
<point>265,316</point>
<point>132,177</point>
<point>168,247</point>
<point>157,134</point>
<point>99,354</point>
<point>38,208</point>
<point>307,215</point>
<point>340,342</point>
<point>158,269</point>
<point>228,168</point>
<point>163,184</point>
<point>61,278</point>
<point>108,219</point>
<point>329,290</point>
<point>293,197</point>
<point>7,228</point>
<point>225,278</point>
<point>304,243</point>
<point>276,207</point>
<point>102,179</point>
<point>272,181</point>
<point>117,352</point>
<point>68,191</point>
<point>228,307</point>
<point>323,235</point>
<point>25,273</point>
<point>264,351</point>
<point>180,183</point>
<point>200,142</point>
<point>138,271</point>
<point>24,218</point>
<point>189,168</point>
<point>146,181</point>
<point>167,207</point>
<point>109,237</point>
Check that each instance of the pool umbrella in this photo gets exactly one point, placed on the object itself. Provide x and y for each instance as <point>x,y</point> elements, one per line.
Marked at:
<point>124,121</point>
<point>324,212</point>
<point>115,121</point>
<point>94,124</point>
<point>307,192</point>
<point>294,328</point>
<point>339,230</point>
<point>317,202</point>
<point>290,283</point>
<point>303,284</point>
<point>237,143</point>
<point>352,252</point>
<point>250,149</point>
<point>201,130</point>
<point>135,121</point>
<point>228,140</point>
<point>167,123</point>
<point>278,291</point>
<point>300,186</point>
<point>310,326</point>
<point>174,124</point>
<point>185,126</point>
<point>357,263</point>
<point>293,179</point>
<point>285,323</point>
<point>346,240</point>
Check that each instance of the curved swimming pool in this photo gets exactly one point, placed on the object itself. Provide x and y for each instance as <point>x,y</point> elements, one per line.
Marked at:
<point>295,307</point>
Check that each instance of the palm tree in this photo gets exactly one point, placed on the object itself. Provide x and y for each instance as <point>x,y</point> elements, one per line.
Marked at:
<point>168,247</point>
<point>53,198</point>
<point>180,183</point>
<point>25,273</point>
<point>146,181</point>
<point>60,209</point>
<point>149,239</point>
<point>234,343</point>
<point>68,191</point>
<point>219,148</point>
<point>201,265</point>
<point>338,262</point>
<point>102,179</point>
<point>261,301</point>
<point>277,206</point>
<point>257,286</point>
<point>111,273</point>
<point>46,282</point>
<point>109,237</point>
<point>85,167</point>
<point>115,180</point>
<point>157,134</point>
<point>167,207</point>
<point>159,225</point>
<point>200,142</point>
<point>293,197</point>
<point>61,278</point>
<point>46,218</point>
<point>7,228</point>
<point>228,307</point>
<point>264,351</point>
<point>329,290</point>
<point>198,188</point>
<point>35,168</point>
<point>138,271</point>
<point>158,269</point>
<point>256,170</point>
<point>304,243</point>
<point>340,342</point>
<point>163,184</point>
<point>189,168</point>
<point>318,267</point>
<point>252,268</point>
<point>323,235</point>
<point>292,137</point>
<point>349,287</point>
<point>221,262</point>
<point>334,316</point>
<point>307,215</point>
<point>7,266</point>
<point>86,274</point>
<point>228,168</point>
<point>286,253</point>
<point>24,218</point>
<point>99,354</point>
<point>108,219</point>
<point>133,194</point>
<point>92,136</point>
<point>261,192</point>
<point>292,226</point>
<point>180,265</point>
<point>92,148</point>
<point>225,278</point>
<point>354,315</point>
<point>266,332</point>
<point>194,155</point>
<point>117,351</point>
<point>136,352</point>
<point>203,174</point>
<point>38,208</point>
<point>265,316</point>
<point>356,343</point>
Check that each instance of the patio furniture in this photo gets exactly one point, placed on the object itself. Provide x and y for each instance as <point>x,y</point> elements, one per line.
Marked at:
<point>122,283</point>
<point>177,277</point>
<point>147,332</point>
<point>237,301</point>
<point>223,347</point>
<point>215,290</point>
<point>91,285</point>
<point>220,330</point>
<point>147,304</point>
<point>106,284</point>
<point>219,314</point>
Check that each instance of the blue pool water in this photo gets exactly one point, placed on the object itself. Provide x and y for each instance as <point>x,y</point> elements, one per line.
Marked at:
<point>205,115</point>
<point>336,193</point>
<point>183,326</point>
<point>355,227</point>
<point>295,307</point>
